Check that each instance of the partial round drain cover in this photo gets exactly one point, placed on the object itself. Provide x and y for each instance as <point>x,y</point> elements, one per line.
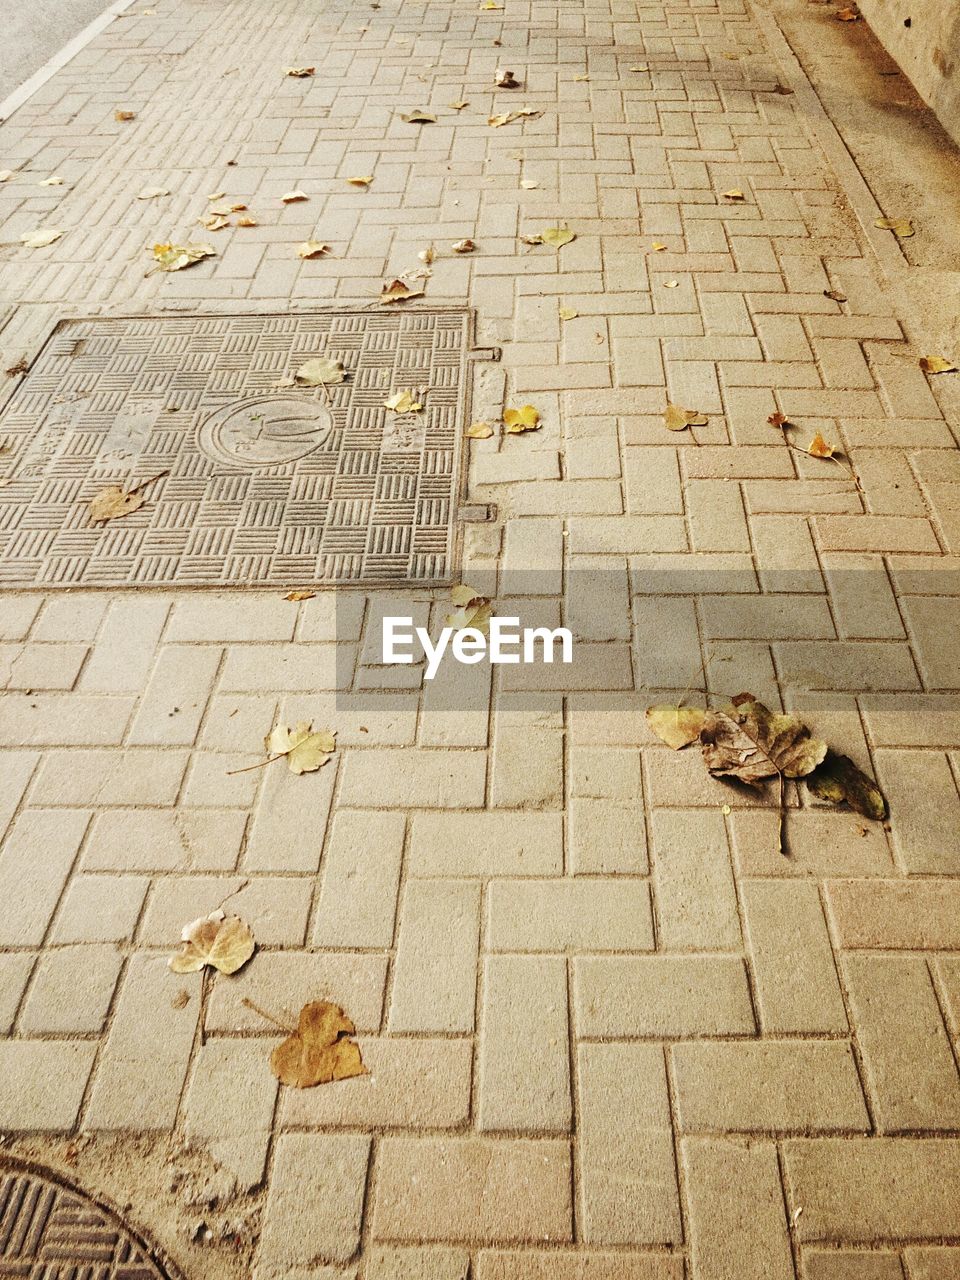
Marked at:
<point>50,1229</point>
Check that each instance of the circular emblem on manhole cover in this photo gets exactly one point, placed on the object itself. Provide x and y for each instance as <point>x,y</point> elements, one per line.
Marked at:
<point>267,431</point>
<point>49,1228</point>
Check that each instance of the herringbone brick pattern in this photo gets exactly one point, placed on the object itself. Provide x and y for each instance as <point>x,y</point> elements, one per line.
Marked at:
<point>613,1033</point>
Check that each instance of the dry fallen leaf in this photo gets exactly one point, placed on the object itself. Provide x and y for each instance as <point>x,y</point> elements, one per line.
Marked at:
<point>834,295</point>
<point>516,421</point>
<point>216,195</point>
<point>643,68</point>
<point>671,284</point>
<point>838,779</point>
<point>152,193</point>
<point>292,197</point>
<point>174,257</point>
<point>504,79</point>
<point>491,4</point>
<point>224,210</point>
<point>54,181</point>
<point>557,236</point>
<point>223,942</point>
<point>568,313</point>
<point>678,419</point>
<point>529,184</point>
<point>320,1049</point>
<point>937,364</point>
<point>508,117</point>
<point>749,742</point>
<point>479,431</point>
<point>579,78</point>
<point>657,247</point>
<point>306,751</point>
<point>735,194</point>
<point>40,239</point>
<point>428,255</point>
<point>818,447</point>
<point>6,175</point>
<point>299,72</point>
<point>403,402</point>
<point>779,420</point>
<point>113,502</point>
<point>417,116</point>
<point>122,116</point>
<point>473,609</point>
<point>300,595</point>
<point>399,291</point>
<point>463,246</point>
<point>214,222</point>
<point>902,227</point>
<point>847,15</point>
<point>363,181</point>
<point>245,220</point>
<point>312,249</point>
<point>675,725</point>
<point>457,106</point>
<point>319,372</point>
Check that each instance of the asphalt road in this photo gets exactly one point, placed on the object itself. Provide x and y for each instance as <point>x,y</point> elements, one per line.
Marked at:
<point>33,31</point>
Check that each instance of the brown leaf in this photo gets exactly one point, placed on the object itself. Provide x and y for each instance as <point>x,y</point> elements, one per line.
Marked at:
<point>506,80</point>
<point>675,725</point>
<point>123,116</point>
<point>847,15</point>
<point>299,73</point>
<point>320,1049</point>
<point>300,595</point>
<point>463,246</point>
<point>678,419</point>
<point>223,942</point>
<point>312,249</point>
<point>937,364</point>
<point>818,447</point>
<point>417,116</point>
<point>902,227</point>
<point>834,295</point>
<point>113,502</point>
<point>838,780</point>
<point>399,291</point>
<point>779,420</point>
<point>748,742</point>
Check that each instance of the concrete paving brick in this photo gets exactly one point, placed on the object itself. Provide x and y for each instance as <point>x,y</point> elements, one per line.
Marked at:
<point>384,1262</point>
<point>877,1189</point>
<point>283,981</point>
<point>15,970</point>
<point>286,668</point>
<point>17,616</point>
<point>42,1083</point>
<point>413,1083</point>
<point>490,843</point>
<point>793,967</point>
<point>275,907</point>
<point>526,768</point>
<point>607,837</point>
<point>233,1123</point>
<point>166,840</point>
<point>35,863</point>
<point>71,991</point>
<point>361,875</point>
<point>524,1060</point>
<point>928,619</point>
<point>924,808</point>
<point>134,1089</point>
<point>569,915</point>
<point>933,1263</point>
<point>912,915</point>
<point>63,719</point>
<point>40,666</point>
<point>768,1086</point>
<point>125,648</point>
<point>19,768</point>
<point>581,1264</point>
<point>735,1210</point>
<point>486,1190</point>
<point>818,845</point>
<point>175,697</point>
<point>100,908</point>
<point>824,1264</point>
<point>413,779</point>
<point>143,777</point>
<point>434,982</point>
<point>696,902</point>
<point>911,1073</point>
<point>628,1176</point>
<point>277,840</point>
<point>661,996</point>
<point>315,1201</point>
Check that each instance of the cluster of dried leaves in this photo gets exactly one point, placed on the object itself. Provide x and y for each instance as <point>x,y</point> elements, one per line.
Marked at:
<point>747,742</point>
<point>516,422</point>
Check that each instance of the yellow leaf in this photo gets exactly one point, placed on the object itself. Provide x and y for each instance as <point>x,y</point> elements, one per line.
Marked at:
<point>508,117</point>
<point>113,502</point>
<point>320,1050</point>
<point>937,364</point>
<point>224,210</point>
<point>678,419</point>
<point>299,72</point>
<point>427,255</point>
<point>529,184</point>
<point>124,115</point>
<point>300,595</point>
<point>457,106</point>
<point>643,68</point>
<point>40,239</point>
<point>174,257</point>
<point>403,402</point>
<point>491,4</point>
<point>54,181</point>
<point>246,221</point>
<point>214,222</point>
<point>306,751</point>
<point>581,77</point>
<point>463,246</point>
<point>818,447</point>
<point>319,372</point>
<point>363,181</point>
<point>735,194</point>
<point>152,193</point>
<point>902,227</point>
<point>6,175</point>
<point>479,431</point>
<point>568,313</point>
<point>292,197</point>
<point>516,421</point>
<point>671,284</point>
<point>399,291</point>
<point>461,594</point>
<point>417,116</point>
<point>675,725</point>
<point>223,942</point>
<point>216,195</point>
<point>656,247</point>
<point>312,249</point>
<point>557,236</point>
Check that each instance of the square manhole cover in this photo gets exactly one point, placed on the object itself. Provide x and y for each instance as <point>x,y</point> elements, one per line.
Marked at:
<point>258,483</point>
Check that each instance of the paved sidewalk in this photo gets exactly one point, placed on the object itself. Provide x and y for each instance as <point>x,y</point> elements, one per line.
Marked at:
<point>613,1033</point>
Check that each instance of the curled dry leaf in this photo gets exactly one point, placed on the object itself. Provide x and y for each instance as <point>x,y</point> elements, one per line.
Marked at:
<point>557,236</point>
<point>838,781</point>
<point>643,68</point>
<point>363,180</point>
<point>40,239</point>
<point>568,313</point>
<point>299,73</point>
<point>735,194</point>
<point>937,364</point>
<point>214,222</point>
<point>491,4</point>
<point>508,117</point>
<point>6,175</point>
<point>473,610</point>
<point>678,419</point>
<point>306,751</point>
<point>749,742</point>
<point>399,291</point>
<point>779,420</point>
<point>224,210</point>
<point>300,595</point>
<point>463,246</point>
<point>834,295</point>
<point>174,257</point>
<point>517,421</point>
<point>320,1050</point>
<point>123,116</point>
<point>675,725</point>
<point>578,78</point>
<point>403,402</point>
<point>418,116</point>
<point>902,227</point>
<point>293,197</point>
<point>216,195</point>
<point>847,15</point>
<point>245,220</point>
<point>428,255</point>
<point>319,372</point>
<point>54,181</point>
<point>479,431</point>
<point>671,284</point>
<point>506,80</point>
<point>657,247</point>
<point>152,193</point>
<point>312,249</point>
<point>818,447</point>
<point>529,184</point>
<point>457,106</point>
<point>222,942</point>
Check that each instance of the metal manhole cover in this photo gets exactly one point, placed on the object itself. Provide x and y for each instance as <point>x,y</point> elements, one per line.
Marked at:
<point>49,1229</point>
<point>259,483</point>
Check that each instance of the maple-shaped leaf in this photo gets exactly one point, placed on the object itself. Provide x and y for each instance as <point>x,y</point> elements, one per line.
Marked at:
<point>838,781</point>
<point>320,1050</point>
<point>223,942</point>
<point>516,421</point>
<point>403,402</point>
<point>675,725</point>
<point>306,751</point>
<point>749,742</point>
